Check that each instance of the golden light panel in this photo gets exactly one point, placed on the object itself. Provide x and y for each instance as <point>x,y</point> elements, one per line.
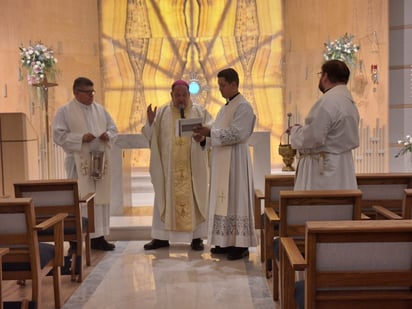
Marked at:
<point>148,44</point>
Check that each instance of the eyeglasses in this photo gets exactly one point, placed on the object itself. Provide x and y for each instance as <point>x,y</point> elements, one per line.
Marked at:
<point>89,92</point>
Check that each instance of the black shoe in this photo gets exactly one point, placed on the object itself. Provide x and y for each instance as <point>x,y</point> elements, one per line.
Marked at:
<point>72,248</point>
<point>237,253</point>
<point>155,244</point>
<point>101,243</point>
<point>66,269</point>
<point>220,250</point>
<point>197,244</point>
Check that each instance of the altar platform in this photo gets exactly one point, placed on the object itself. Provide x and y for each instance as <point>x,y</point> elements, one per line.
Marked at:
<point>134,223</point>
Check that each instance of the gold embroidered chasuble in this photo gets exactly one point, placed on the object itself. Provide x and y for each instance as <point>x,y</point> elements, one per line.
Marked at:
<point>182,194</point>
<point>179,170</point>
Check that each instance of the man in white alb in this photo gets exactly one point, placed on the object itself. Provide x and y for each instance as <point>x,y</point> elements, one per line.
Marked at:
<point>330,132</point>
<point>231,226</point>
<point>80,127</point>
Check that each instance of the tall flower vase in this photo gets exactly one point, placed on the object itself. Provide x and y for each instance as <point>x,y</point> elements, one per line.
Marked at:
<point>44,140</point>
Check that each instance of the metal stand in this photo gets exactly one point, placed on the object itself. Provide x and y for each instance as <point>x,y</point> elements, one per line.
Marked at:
<point>44,147</point>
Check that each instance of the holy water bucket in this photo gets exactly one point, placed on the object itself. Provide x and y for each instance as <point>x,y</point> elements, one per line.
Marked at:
<point>288,155</point>
<point>96,164</point>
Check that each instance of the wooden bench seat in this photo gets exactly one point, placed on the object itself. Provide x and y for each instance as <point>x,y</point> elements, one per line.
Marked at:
<point>350,264</point>
<point>298,207</point>
<point>381,193</point>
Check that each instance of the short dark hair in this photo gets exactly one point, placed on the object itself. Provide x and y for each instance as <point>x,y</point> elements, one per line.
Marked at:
<point>80,82</point>
<point>230,75</point>
<point>338,71</point>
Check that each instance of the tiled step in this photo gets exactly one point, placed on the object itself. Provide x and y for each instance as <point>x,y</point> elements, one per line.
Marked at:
<point>130,227</point>
<point>130,233</point>
<point>135,227</point>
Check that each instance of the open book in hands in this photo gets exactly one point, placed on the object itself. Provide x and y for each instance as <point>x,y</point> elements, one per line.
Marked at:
<point>185,126</point>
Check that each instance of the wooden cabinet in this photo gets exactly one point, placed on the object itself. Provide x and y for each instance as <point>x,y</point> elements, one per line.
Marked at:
<point>19,151</point>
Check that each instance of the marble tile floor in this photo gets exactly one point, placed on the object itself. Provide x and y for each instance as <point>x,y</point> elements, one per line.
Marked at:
<point>174,277</point>
<point>167,278</point>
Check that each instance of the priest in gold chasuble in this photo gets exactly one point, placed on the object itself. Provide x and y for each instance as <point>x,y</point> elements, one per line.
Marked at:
<point>179,171</point>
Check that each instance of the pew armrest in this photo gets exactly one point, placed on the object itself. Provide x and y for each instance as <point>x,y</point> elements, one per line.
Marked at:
<point>259,196</point>
<point>386,213</point>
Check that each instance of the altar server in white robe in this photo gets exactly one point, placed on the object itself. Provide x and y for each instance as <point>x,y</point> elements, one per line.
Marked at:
<point>231,226</point>
<point>179,170</point>
<point>80,127</point>
<point>329,134</point>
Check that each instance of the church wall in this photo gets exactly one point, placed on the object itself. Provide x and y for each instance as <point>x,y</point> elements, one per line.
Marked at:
<point>308,25</point>
<point>400,86</point>
<point>72,29</point>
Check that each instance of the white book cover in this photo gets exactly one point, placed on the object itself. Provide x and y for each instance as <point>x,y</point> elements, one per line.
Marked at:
<point>184,127</point>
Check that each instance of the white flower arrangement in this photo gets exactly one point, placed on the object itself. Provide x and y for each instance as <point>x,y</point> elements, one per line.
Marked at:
<point>407,146</point>
<point>38,59</point>
<point>342,49</point>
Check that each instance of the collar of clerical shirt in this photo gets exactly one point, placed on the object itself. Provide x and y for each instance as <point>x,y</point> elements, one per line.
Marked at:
<point>231,98</point>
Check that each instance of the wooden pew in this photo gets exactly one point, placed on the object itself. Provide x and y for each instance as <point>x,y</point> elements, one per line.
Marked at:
<point>3,251</point>
<point>273,185</point>
<point>386,190</point>
<point>28,259</point>
<point>406,211</point>
<point>53,196</point>
<point>389,196</point>
<point>298,207</point>
<point>350,264</point>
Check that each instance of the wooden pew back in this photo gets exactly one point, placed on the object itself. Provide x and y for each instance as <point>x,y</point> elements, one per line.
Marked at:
<point>298,207</point>
<point>354,263</point>
<point>53,196</point>
<point>273,185</point>
<point>19,233</point>
<point>384,189</point>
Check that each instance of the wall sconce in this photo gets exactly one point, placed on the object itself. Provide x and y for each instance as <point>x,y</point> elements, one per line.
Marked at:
<point>374,73</point>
